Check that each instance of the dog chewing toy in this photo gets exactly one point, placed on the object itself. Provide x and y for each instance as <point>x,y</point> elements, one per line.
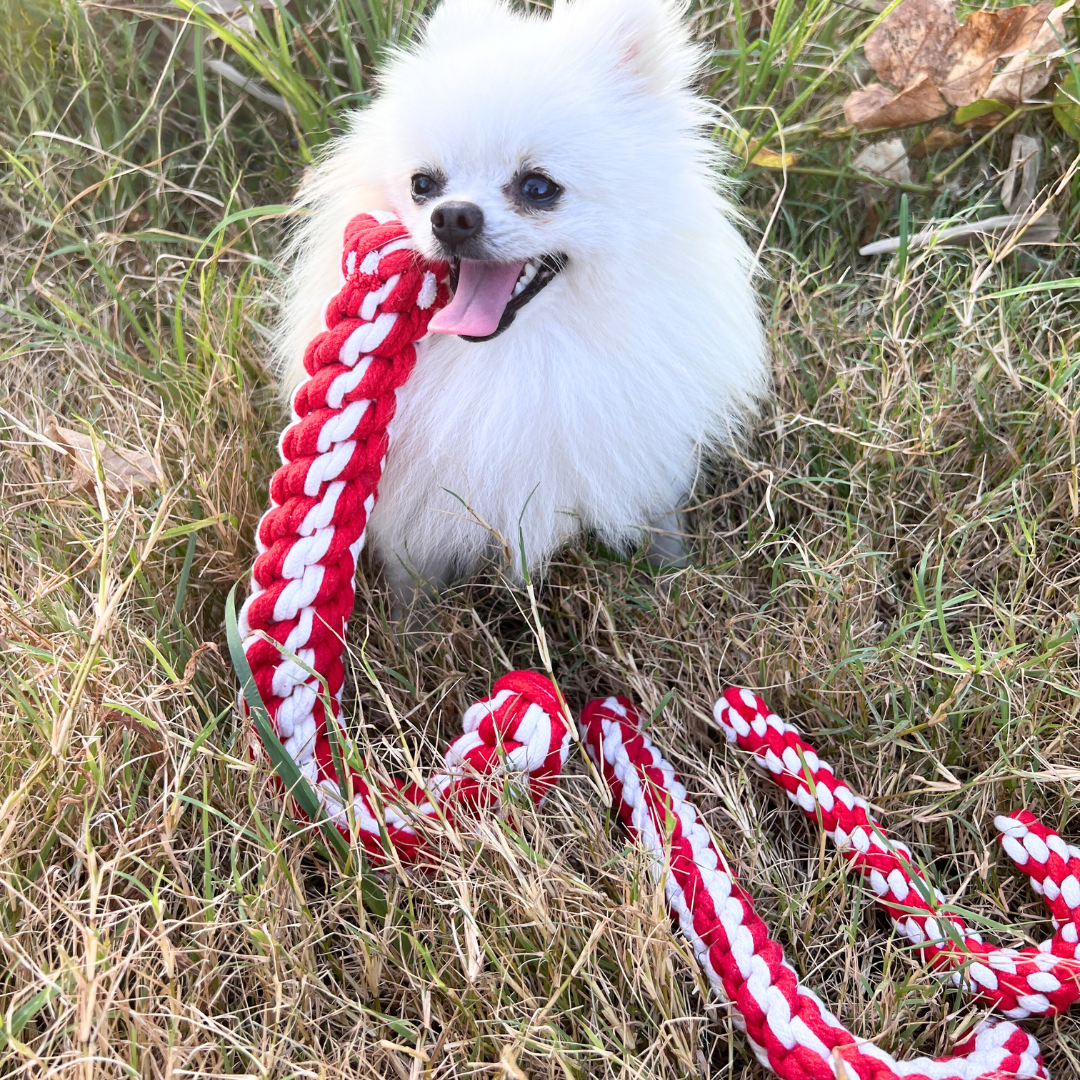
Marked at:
<point>293,627</point>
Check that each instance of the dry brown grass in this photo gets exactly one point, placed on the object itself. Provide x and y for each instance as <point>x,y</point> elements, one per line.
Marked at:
<point>894,562</point>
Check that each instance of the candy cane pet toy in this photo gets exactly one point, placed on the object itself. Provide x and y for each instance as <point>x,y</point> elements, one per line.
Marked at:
<point>1036,981</point>
<point>293,628</point>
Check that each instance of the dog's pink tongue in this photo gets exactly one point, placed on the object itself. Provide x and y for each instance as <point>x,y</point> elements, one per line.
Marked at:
<point>483,291</point>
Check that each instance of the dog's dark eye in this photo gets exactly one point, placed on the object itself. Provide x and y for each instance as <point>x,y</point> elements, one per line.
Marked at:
<point>537,190</point>
<point>424,186</point>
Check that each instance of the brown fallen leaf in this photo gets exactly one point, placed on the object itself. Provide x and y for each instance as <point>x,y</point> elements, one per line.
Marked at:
<point>123,470</point>
<point>189,671</point>
<point>938,138</point>
<point>140,733</point>
<point>870,224</point>
<point>879,107</point>
<point>967,62</point>
<point>923,40</point>
<point>1028,72</point>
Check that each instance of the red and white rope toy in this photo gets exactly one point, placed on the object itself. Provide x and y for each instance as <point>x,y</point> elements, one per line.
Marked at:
<point>293,626</point>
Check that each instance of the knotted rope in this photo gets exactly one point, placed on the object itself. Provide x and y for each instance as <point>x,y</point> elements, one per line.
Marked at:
<point>293,627</point>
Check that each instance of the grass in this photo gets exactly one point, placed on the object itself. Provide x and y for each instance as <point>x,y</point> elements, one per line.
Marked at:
<point>894,561</point>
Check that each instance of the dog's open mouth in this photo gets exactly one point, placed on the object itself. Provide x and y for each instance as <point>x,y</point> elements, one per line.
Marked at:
<point>488,295</point>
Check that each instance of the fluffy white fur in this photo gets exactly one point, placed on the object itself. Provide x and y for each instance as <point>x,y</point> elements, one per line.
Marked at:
<point>591,410</point>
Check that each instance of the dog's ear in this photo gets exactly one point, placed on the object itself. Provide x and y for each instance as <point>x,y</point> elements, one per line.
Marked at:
<point>651,37</point>
<point>459,20</point>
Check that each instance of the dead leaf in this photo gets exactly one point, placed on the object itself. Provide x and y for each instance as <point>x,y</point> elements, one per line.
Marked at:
<point>1021,26</point>
<point>939,138</point>
<point>189,671</point>
<point>140,732</point>
<point>967,63</point>
<point>1028,72</point>
<point>193,661</point>
<point>123,470</point>
<point>870,224</point>
<point>911,40</point>
<point>887,159</point>
<point>922,39</point>
<point>879,107</point>
<point>1021,78</point>
<point>1024,161</point>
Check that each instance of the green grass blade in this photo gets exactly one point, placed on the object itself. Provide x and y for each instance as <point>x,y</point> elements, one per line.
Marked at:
<point>295,782</point>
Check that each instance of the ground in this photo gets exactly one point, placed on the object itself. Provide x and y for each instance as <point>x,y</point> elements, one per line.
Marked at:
<point>893,560</point>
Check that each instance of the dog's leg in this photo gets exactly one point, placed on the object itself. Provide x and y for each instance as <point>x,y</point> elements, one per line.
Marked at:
<point>667,544</point>
<point>414,592</point>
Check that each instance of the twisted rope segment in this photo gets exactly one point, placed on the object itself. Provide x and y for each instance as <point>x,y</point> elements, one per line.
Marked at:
<point>293,628</point>
<point>1038,980</point>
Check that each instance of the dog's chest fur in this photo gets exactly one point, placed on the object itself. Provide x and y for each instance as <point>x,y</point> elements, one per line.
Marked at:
<point>592,419</point>
<point>535,433</point>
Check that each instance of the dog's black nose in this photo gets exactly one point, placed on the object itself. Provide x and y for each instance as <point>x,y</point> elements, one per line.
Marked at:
<point>455,222</point>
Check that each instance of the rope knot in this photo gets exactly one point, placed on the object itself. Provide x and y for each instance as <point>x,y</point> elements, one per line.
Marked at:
<point>523,723</point>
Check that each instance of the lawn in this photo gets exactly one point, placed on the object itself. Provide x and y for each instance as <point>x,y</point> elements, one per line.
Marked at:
<point>893,561</point>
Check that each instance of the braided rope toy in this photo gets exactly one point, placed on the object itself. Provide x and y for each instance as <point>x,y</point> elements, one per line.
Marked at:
<point>293,627</point>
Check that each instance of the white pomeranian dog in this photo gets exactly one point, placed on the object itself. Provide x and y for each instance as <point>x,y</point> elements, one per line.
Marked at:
<point>603,330</point>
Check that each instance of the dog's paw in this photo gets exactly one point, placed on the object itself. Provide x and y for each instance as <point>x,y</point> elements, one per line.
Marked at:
<point>667,548</point>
